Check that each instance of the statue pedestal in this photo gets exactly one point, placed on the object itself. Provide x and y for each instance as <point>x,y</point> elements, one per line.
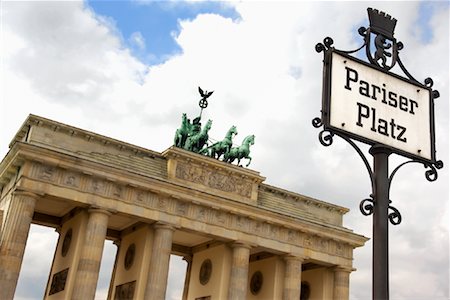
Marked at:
<point>211,175</point>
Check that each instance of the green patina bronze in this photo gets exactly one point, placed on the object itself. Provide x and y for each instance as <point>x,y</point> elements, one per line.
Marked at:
<point>182,133</point>
<point>240,152</point>
<point>196,141</point>
<point>218,149</point>
<point>192,137</point>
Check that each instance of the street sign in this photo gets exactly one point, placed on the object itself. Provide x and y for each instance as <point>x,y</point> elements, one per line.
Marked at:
<point>364,101</point>
<point>378,107</point>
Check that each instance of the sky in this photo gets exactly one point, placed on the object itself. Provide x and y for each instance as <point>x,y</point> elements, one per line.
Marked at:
<point>128,70</point>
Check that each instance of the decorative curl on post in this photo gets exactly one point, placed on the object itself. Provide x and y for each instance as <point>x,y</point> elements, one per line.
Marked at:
<point>366,206</point>
<point>432,174</point>
<point>362,31</point>
<point>436,94</point>
<point>317,122</point>
<point>394,217</point>
<point>326,137</point>
<point>327,43</point>
<point>428,82</point>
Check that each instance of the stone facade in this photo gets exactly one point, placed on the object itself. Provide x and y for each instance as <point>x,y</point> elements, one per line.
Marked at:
<point>103,188</point>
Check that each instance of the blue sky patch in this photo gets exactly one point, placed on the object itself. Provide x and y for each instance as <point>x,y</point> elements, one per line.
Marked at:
<point>147,27</point>
<point>426,12</point>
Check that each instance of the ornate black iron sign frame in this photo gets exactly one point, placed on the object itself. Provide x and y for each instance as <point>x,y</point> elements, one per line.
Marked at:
<point>329,54</point>
<point>382,51</point>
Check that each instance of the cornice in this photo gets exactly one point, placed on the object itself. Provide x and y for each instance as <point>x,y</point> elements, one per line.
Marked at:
<point>299,197</point>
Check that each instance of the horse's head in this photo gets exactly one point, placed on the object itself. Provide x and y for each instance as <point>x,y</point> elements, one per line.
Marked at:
<point>249,140</point>
<point>184,118</point>
<point>232,130</point>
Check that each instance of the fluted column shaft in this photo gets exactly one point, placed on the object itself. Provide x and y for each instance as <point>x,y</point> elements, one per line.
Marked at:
<point>239,271</point>
<point>341,283</point>
<point>13,240</point>
<point>292,278</point>
<point>159,262</point>
<point>86,277</point>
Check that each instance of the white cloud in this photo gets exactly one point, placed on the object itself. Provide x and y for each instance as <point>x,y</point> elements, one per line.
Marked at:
<point>138,40</point>
<point>62,62</point>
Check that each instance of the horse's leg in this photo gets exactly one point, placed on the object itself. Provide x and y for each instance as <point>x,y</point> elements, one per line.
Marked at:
<point>249,160</point>
<point>219,154</point>
<point>187,143</point>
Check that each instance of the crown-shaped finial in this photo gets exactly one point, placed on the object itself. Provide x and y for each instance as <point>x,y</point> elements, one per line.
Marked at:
<point>381,22</point>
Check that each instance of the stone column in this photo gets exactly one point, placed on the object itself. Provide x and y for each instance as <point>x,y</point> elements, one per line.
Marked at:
<point>292,277</point>
<point>341,283</point>
<point>159,262</point>
<point>91,255</point>
<point>187,279</point>
<point>13,240</point>
<point>239,271</point>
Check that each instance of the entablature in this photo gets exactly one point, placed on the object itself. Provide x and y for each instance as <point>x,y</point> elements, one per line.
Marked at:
<point>181,188</point>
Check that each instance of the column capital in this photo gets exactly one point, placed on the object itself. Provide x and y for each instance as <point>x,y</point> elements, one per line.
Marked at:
<point>26,194</point>
<point>346,269</point>
<point>161,225</point>
<point>291,257</point>
<point>241,244</point>
<point>96,209</point>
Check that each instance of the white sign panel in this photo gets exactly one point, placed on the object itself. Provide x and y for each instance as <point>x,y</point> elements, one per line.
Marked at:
<point>380,107</point>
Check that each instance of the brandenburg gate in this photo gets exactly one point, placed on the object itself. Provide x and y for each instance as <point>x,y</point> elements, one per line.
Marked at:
<point>242,238</point>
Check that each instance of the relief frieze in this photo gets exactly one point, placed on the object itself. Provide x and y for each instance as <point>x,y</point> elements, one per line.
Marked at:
<point>117,191</point>
<point>181,208</point>
<point>339,249</point>
<point>274,232</point>
<point>213,179</point>
<point>140,197</point>
<point>242,223</point>
<point>163,204</point>
<point>44,172</point>
<point>97,186</point>
<point>307,241</point>
<point>71,179</point>
<point>145,198</point>
<point>258,228</point>
<point>292,236</point>
<point>220,217</point>
<point>201,213</point>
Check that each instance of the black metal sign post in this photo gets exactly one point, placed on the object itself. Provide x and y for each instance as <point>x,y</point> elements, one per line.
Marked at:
<point>380,235</point>
<point>364,101</point>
